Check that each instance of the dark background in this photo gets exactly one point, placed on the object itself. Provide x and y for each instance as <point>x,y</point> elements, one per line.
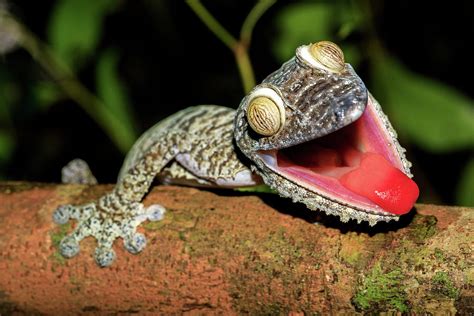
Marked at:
<point>169,60</point>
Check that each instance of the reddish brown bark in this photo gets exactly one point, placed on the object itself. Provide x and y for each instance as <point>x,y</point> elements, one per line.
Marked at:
<point>232,253</point>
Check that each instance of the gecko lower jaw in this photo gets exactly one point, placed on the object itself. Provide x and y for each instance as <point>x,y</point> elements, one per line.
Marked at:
<point>361,166</point>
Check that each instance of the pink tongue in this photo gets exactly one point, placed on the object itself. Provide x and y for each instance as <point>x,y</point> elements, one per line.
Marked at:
<point>383,184</point>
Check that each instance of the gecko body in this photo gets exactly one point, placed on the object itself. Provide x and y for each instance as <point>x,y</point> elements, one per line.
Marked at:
<point>307,99</point>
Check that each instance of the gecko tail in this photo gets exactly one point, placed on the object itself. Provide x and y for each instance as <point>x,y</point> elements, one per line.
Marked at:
<point>77,171</point>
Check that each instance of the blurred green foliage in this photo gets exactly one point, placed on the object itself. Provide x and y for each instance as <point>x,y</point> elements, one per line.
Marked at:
<point>113,92</point>
<point>75,28</point>
<point>301,23</point>
<point>427,114</point>
<point>308,22</point>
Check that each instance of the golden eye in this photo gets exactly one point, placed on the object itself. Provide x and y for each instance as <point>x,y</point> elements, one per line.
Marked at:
<point>328,55</point>
<point>264,116</point>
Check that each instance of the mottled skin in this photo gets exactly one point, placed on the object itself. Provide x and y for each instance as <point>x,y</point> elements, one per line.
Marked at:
<point>192,147</point>
<point>205,146</point>
<point>317,103</point>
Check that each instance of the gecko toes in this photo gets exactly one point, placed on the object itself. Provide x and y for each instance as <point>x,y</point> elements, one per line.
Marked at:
<point>104,256</point>
<point>135,243</point>
<point>69,247</point>
<point>105,223</point>
<point>155,212</point>
<point>62,214</point>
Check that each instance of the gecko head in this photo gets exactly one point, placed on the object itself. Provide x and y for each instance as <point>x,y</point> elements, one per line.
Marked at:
<point>315,134</point>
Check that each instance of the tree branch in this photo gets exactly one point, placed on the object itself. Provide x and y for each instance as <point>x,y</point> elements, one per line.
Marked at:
<point>235,253</point>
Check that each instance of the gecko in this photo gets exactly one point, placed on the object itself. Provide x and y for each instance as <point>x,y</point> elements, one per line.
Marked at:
<point>311,131</point>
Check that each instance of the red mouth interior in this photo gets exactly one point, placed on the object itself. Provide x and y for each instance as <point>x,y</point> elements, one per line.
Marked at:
<point>357,164</point>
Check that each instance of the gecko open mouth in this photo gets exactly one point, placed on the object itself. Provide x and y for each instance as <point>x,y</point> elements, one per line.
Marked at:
<point>358,165</point>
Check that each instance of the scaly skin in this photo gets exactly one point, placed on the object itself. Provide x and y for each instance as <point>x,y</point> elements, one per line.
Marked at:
<point>207,145</point>
<point>199,140</point>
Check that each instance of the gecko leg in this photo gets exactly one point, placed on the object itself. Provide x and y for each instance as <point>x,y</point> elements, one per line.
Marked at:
<point>119,213</point>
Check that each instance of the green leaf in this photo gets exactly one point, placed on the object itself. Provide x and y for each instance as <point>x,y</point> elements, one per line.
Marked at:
<point>112,92</point>
<point>465,190</point>
<point>302,23</point>
<point>75,28</point>
<point>430,114</point>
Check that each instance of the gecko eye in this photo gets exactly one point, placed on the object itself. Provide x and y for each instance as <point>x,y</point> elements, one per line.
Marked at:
<point>265,113</point>
<point>325,55</point>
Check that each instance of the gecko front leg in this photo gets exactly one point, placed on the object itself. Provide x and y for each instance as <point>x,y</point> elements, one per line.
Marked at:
<point>119,213</point>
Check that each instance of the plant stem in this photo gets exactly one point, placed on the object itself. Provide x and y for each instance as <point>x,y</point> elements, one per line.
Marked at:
<point>68,82</point>
<point>238,47</point>
<point>245,67</point>
<point>252,18</point>
<point>213,25</point>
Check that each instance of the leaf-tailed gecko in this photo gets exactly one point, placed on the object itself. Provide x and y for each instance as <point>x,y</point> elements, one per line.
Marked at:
<point>311,131</point>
